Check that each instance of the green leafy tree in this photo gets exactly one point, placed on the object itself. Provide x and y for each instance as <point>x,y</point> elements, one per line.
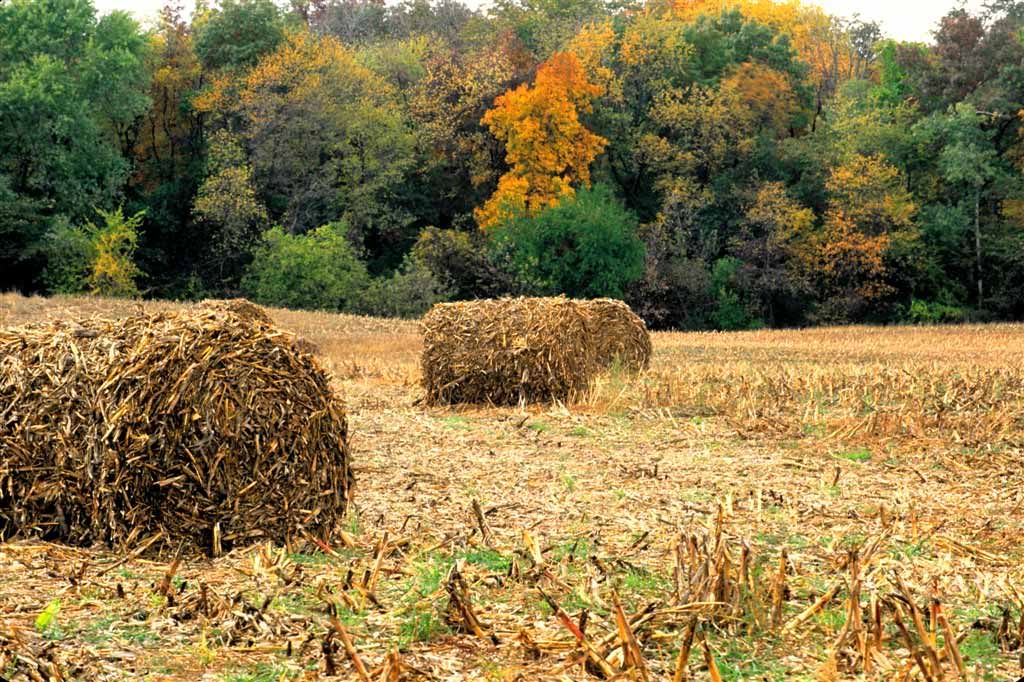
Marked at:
<point>970,163</point>
<point>227,203</point>
<point>584,247</point>
<point>238,33</point>
<point>71,87</point>
<point>730,312</point>
<point>318,270</point>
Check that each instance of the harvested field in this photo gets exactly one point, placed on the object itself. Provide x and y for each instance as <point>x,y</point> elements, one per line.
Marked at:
<point>824,504</point>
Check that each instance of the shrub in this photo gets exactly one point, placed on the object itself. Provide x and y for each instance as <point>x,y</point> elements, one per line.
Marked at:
<point>408,293</point>
<point>935,312</point>
<point>586,246</point>
<point>68,255</point>
<point>318,270</point>
<point>99,259</point>
<point>462,264</point>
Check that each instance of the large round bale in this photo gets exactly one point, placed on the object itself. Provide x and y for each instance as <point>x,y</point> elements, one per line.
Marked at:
<point>250,311</point>
<point>619,335</point>
<point>244,308</point>
<point>505,351</point>
<point>200,428</point>
<point>516,350</point>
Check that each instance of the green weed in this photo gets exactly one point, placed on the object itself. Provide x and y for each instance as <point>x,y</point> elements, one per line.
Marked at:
<point>264,672</point>
<point>980,649</point>
<point>420,625</point>
<point>489,559</point>
<point>456,422</point>
<point>858,455</point>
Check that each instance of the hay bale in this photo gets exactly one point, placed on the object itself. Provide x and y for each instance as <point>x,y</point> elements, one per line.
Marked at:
<point>248,310</point>
<point>241,307</point>
<point>514,350</point>
<point>619,335</point>
<point>202,427</point>
<point>505,351</point>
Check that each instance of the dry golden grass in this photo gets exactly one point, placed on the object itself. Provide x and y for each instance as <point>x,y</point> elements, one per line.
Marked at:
<point>881,468</point>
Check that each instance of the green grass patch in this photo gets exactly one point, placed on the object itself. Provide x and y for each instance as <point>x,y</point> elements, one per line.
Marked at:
<point>858,455</point>
<point>577,549</point>
<point>456,422</point>
<point>979,649</point>
<point>697,496</point>
<point>264,672</point>
<point>138,634</point>
<point>734,663</point>
<point>641,582</point>
<point>420,625</point>
<point>488,558</point>
<point>833,619</point>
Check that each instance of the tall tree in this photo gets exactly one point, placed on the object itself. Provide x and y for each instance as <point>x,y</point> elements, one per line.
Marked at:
<point>547,147</point>
<point>71,89</point>
<point>238,33</point>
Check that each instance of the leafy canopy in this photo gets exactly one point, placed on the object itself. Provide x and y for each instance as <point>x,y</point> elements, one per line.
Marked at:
<point>585,246</point>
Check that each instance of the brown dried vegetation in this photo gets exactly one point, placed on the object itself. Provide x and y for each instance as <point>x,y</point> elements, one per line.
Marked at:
<point>523,350</point>
<point>204,428</point>
<point>822,504</point>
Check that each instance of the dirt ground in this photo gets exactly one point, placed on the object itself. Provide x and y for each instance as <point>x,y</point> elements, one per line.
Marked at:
<point>821,504</point>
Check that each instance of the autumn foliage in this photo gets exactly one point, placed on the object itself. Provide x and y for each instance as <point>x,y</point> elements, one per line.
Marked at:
<point>547,147</point>
<point>722,164</point>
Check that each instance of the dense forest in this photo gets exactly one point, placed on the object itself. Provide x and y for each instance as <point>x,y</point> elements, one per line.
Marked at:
<point>716,163</point>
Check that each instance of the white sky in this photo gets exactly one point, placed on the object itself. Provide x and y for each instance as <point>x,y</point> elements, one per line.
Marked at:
<point>902,19</point>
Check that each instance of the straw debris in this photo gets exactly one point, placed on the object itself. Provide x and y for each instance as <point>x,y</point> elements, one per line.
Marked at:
<point>205,428</point>
<point>517,350</point>
<point>245,309</point>
<point>621,336</point>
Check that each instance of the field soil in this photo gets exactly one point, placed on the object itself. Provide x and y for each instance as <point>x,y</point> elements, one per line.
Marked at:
<point>840,503</point>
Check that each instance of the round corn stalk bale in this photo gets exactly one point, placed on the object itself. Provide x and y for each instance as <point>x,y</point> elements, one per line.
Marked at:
<point>519,350</point>
<point>620,337</point>
<point>505,351</point>
<point>200,428</point>
<point>241,307</point>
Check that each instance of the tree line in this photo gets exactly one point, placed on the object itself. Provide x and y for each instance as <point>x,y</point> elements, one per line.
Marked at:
<point>720,164</point>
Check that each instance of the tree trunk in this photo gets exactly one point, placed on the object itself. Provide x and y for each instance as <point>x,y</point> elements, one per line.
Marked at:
<point>977,243</point>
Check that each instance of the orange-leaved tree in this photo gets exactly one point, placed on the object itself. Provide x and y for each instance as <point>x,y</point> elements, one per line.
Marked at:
<point>547,146</point>
<point>826,44</point>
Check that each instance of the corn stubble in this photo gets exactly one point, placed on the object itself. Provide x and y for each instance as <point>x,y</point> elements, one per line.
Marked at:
<point>205,428</point>
<point>843,504</point>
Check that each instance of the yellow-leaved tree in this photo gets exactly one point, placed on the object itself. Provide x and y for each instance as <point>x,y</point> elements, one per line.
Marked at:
<point>869,228</point>
<point>547,147</point>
